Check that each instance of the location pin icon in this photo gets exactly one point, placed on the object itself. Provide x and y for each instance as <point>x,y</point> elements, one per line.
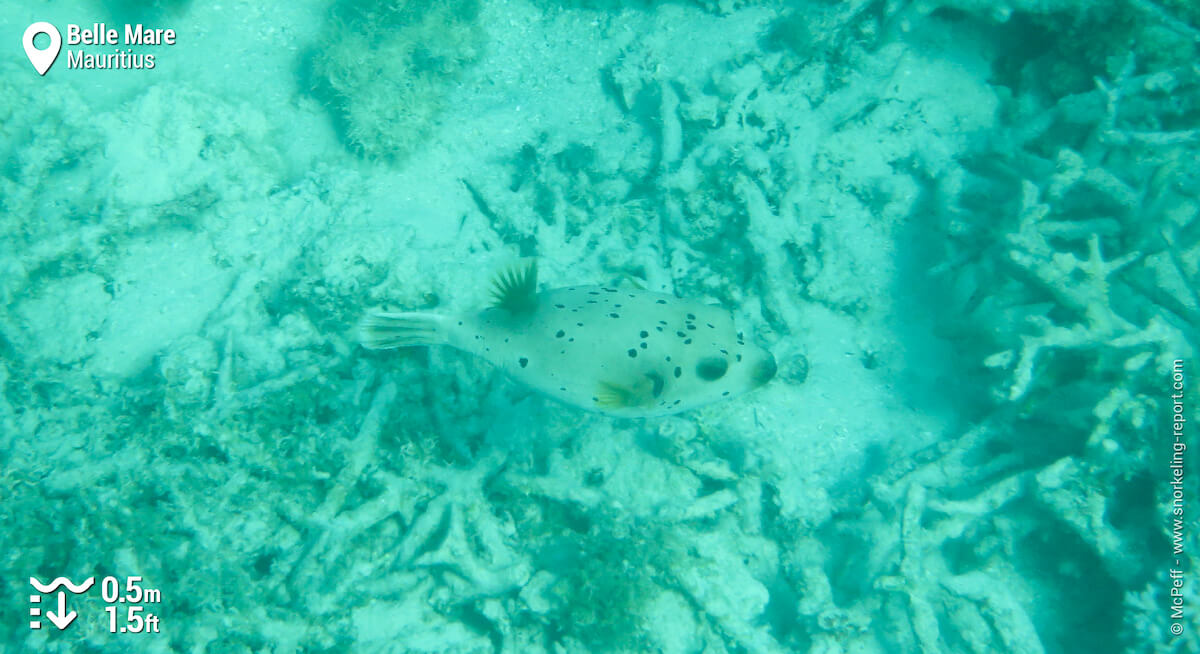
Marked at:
<point>42,60</point>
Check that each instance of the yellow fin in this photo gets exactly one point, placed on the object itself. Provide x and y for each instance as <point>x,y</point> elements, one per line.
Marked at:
<point>613,396</point>
<point>610,395</point>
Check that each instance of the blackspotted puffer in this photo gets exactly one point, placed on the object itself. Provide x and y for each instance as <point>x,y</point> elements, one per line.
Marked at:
<point>627,353</point>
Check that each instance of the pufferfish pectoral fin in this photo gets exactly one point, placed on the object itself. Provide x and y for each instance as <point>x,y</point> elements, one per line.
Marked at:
<point>639,391</point>
<point>615,396</point>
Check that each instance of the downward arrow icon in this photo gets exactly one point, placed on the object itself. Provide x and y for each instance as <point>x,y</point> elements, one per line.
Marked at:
<point>62,619</point>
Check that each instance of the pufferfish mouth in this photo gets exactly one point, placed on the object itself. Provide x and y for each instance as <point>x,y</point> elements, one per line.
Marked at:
<point>764,370</point>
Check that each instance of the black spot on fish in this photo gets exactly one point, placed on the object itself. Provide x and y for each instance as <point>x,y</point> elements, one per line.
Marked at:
<point>725,393</point>
<point>559,334</point>
<point>668,357</point>
<point>632,353</point>
<point>660,301</point>
<point>523,361</point>
<point>739,357</point>
<point>642,345</point>
<point>659,328</point>
<point>711,368</point>
<point>610,290</point>
<point>571,340</point>
<point>687,341</point>
<point>691,327</point>
<point>614,315</point>
<point>562,388</point>
<point>678,372</point>
<point>579,324</point>
<point>563,306</point>
<point>460,323</point>
<point>643,333</point>
<point>724,351</point>
<point>616,306</point>
<point>680,334</point>
<point>591,302</point>
<point>691,316</point>
<point>593,293</point>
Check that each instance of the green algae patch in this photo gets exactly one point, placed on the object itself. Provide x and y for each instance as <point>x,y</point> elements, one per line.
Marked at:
<point>385,70</point>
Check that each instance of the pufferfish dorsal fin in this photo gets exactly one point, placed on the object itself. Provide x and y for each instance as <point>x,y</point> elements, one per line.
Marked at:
<point>515,288</point>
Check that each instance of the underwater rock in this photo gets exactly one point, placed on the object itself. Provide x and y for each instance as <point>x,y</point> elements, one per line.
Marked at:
<point>411,625</point>
<point>671,625</point>
<point>794,369</point>
<point>188,369</point>
<point>62,322</point>
<point>173,153</point>
<point>718,580</point>
<point>1070,491</point>
<point>385,69</point>
<point>165,288</point>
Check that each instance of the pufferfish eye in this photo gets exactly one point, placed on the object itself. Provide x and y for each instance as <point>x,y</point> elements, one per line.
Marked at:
<point>711,368</point>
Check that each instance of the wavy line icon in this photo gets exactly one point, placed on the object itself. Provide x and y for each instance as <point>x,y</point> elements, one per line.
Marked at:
<point>62,581</point>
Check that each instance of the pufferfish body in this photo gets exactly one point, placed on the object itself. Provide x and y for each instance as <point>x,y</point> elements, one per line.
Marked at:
<point>626,353</point>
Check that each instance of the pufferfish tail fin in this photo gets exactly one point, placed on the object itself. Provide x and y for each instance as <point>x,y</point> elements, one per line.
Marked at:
<point>387,330</point>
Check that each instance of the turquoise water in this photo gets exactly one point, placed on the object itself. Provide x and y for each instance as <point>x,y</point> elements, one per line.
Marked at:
<point>966,233</point>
